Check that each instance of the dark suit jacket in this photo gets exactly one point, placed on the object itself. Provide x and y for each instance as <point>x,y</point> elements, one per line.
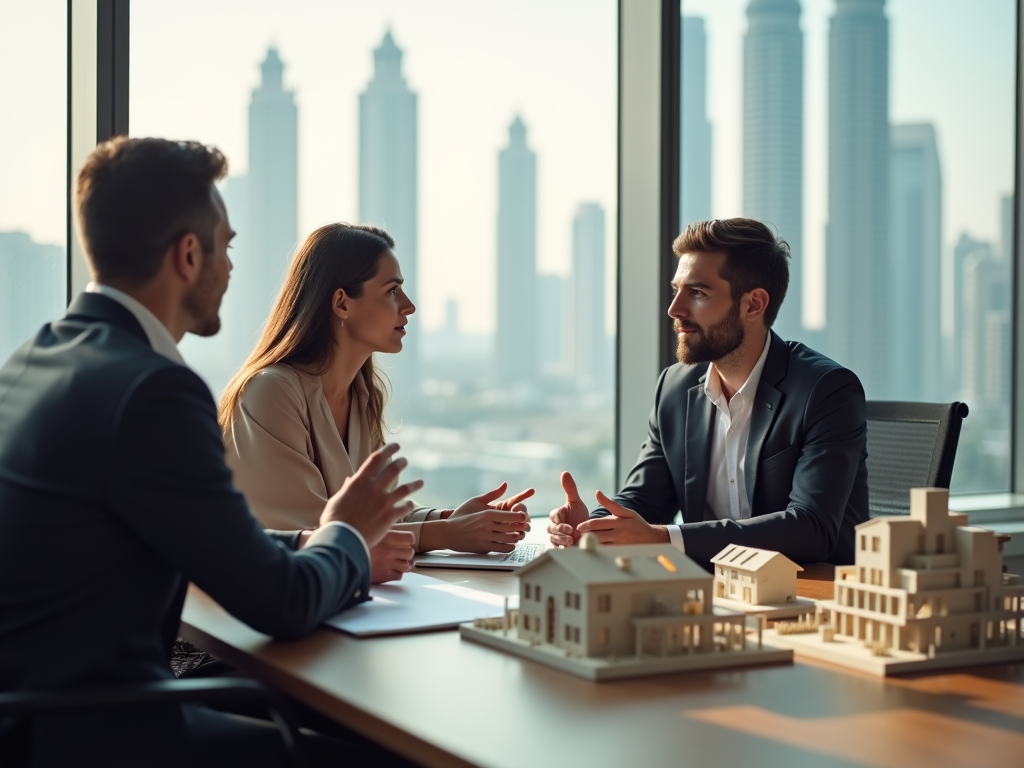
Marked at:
<point>805,471</point>
<point>114,495</point>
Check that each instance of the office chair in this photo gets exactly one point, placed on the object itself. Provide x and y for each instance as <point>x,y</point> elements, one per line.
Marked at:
<point>207,690</point>
<point>910,445</point>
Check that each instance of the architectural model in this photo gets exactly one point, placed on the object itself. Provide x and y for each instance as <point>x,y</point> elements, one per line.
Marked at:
<point>927,591</point>
<point>624,611</point>
<point>758,581</point>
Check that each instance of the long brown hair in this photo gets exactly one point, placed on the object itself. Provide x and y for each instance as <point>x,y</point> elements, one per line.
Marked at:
<point>298,332</point>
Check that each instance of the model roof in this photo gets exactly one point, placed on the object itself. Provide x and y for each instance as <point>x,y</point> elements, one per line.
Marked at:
<point>749,558</point>
<point>599,565</point>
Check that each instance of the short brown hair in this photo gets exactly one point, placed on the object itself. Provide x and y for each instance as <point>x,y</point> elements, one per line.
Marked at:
<point>754,257</point>
<point>136,197</point>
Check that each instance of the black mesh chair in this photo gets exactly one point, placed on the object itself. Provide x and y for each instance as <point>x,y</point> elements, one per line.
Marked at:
<point>209,691</point>
<point>910,445</point>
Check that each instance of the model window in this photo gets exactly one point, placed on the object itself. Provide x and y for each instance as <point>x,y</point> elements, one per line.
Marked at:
<point>576,635</point>
<point>526,591</point>
<point>874,543</point>
<point>568,633</point>
<point>604,603</point>
<point>568,600</point>
<point>536,593</point>
<point>576,601</point>
<point>863,542</point>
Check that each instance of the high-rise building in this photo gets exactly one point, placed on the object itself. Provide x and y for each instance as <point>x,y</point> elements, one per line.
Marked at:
<point>858,327</point>
<point>588,263</point>
<point>388,187</point>
<point>915,264</point>
<point>516,351</point>
<point>695,129</point>
<point>773,137</point>
<point>272,198</point>
<point>1006,228</point>
<point>33,288</point>
<point>985,351</point>
<point>953,363</point>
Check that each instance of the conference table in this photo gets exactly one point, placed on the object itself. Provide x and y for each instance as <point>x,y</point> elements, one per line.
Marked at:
<point>446,702</point>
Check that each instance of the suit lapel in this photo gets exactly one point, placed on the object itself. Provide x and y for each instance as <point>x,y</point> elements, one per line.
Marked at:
<point>765,410</point>
<point>700,414</point>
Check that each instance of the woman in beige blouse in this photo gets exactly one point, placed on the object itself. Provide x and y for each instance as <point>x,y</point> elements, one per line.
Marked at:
<point>306,408</point>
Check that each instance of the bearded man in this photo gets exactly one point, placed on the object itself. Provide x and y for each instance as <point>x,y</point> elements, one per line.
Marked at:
<point>756,441</point>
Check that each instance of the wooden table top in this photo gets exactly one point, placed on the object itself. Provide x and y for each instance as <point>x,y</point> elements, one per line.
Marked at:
<point>446,702</point>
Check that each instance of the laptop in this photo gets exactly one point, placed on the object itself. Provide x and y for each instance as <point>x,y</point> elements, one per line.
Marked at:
<point>495,561</point>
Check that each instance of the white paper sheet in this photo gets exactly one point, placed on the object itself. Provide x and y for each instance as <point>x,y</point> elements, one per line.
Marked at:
<point>417,603</point>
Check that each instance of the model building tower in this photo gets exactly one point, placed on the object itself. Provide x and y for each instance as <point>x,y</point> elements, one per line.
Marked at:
<point>928,583</point>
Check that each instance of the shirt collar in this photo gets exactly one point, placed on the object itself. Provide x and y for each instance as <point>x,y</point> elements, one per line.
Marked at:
<point>713,384</point>
<point>159,337</point>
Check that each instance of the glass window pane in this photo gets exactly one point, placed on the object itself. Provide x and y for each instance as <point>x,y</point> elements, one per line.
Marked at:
<point>491,162</point>
<point>877,136</point>
<point>33,168</point>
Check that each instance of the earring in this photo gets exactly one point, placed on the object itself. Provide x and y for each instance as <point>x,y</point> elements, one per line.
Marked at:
<point>342,322</point>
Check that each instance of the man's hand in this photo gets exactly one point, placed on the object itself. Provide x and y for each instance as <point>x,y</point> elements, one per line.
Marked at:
<point>364,501</point>
<point>565,519</point>
<point>487,501</point>
<point>624,526</point>
<point>392,557</point>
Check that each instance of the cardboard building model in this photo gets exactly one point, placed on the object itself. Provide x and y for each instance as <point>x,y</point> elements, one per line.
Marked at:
<point>611,612</point>
<point>927,591</point>
<point>758,581</point>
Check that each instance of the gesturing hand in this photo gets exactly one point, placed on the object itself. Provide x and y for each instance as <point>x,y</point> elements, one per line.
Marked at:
<point>567,517</point>
<point>392,557</point>
<point>487,501</point>
<point>623,526</point>
<point>364,501</point>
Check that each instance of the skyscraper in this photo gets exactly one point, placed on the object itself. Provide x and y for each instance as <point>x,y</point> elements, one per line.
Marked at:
<point>953,363</point>
<point>388,186</point>
<point>33,288</point>
<point>516,351</point>
<point>695,157</point>
<point>985,351</point>
<point>272,197</point>
<point>915,263</point>
<point>773,137</point>
<point>858,328</point>
<point>588,252</point>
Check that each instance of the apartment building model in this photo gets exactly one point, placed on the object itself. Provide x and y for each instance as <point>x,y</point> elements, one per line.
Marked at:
<point>625,611</point>
<point>927,591</point>
<point>758,581</point>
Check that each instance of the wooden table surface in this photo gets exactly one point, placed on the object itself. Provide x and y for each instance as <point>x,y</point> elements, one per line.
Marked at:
<point>445,702</point>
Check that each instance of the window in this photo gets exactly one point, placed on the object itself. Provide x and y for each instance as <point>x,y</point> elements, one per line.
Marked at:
<point>568,600</point>
<point>568,633</point>
<point>576,601</point>
<point>526,591</point>
<point>604,603</point>
<point>874,543</point>
<point>33,168</point>
<point>864,543</point>
<point>603,637</point>
<point>576,635</point>
<point>896,200</point>
<point>536,593</point>
<point>494,166</point>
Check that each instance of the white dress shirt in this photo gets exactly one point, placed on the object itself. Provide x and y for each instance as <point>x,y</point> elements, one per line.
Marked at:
<point>162,342</point>
<point>727,489</point>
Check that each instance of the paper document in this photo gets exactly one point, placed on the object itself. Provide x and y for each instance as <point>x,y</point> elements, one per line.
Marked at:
<point>417,603</point>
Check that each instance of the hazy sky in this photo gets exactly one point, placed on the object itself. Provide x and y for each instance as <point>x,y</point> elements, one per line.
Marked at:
<point>950,63</point>
<point>475,64</point>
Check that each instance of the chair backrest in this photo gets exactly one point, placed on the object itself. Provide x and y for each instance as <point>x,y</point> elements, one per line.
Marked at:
<point>910,445</point>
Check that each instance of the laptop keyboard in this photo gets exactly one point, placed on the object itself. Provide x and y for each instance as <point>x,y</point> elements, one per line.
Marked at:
<point>524,553</point>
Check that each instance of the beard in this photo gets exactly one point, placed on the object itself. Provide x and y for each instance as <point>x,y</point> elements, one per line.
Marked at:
<point>712,343</point>
<point>203,303</point>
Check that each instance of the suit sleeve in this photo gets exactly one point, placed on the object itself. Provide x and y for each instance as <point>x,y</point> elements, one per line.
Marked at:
<point>169,485</point>
<point>270,452</point>
<point>807,530</point>
<point>649,489</point>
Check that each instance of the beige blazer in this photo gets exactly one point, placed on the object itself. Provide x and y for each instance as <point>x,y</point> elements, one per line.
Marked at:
<point>286,454</point>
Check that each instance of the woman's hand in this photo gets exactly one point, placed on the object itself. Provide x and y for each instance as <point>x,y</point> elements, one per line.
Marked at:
<point>487,501</point>
<point>489,530</point>
<point>392,557</point>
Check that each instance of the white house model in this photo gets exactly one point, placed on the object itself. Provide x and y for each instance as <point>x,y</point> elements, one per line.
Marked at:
<point>606,612</point>
<point>927,591</point>
<point>758,581</point>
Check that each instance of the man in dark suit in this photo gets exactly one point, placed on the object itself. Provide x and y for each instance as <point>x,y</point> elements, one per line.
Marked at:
<point>755,440</point>
<point>114,493</point>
